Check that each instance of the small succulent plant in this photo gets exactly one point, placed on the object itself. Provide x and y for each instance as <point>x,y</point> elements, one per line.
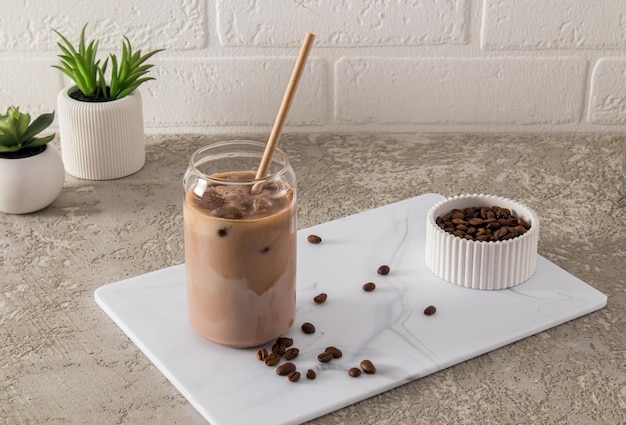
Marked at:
<point>82,66</point>
<point>17,132</point>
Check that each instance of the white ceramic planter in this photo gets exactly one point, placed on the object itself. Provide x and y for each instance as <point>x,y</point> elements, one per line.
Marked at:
<point>30,184</point>
<point>101,140</point>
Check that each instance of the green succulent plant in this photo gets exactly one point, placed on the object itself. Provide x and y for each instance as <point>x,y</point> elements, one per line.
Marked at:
<point>82,66</point>
<point>17,132</point>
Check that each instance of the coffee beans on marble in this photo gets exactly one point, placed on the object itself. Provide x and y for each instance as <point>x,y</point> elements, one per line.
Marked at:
<point>311,374</point>
<point>314,239</point>
<point>293,376</point>
<point>483,224</point>
<point>308,328</point>
<point>279,349</point>
<point>325,357</point>
<point>383,270</point>
<point>262,354</point>
<point>369,286</point>
<point>285,369</point>
<point>368,367</point>
<point>272,359</point>
<point>291,353</point>
<point>286,341</point>
<point>354,372</point>
<point>336,352</point>
<point>430,310</point>
<point>321,298</point>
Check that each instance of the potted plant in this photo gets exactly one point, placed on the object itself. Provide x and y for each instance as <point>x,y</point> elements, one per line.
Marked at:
<point>31,171</point>
<point>101,121</point>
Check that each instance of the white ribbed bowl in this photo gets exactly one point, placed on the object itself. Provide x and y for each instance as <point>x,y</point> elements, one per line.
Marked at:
<point>481,265</point>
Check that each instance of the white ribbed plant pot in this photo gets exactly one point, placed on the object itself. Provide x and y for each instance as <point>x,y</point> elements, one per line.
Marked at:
<point>101,140</point>
<point>31,184</point>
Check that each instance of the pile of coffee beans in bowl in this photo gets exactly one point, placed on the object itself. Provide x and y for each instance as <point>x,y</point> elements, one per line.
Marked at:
<point>483,224</point>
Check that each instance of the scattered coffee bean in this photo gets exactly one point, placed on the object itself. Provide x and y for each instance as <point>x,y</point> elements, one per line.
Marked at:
<point>483,224</point>
<point>354,372</point>
<point>262,354</point>
<point>320,298</point>
<point>285,369</point>
<point>368,367</point>
<point>293,376</point>
<point>308,328</point>
<point>311,374</point>
<point>369,286</point>
<point>272,359</point>
<point>430,310</point>
<point>291,353</point>
<point>283,340</point>
<point>314,239</point>
<point>383,270</point>
<point>336,352</point>
<point>279,349</point>
<point>325,357</point>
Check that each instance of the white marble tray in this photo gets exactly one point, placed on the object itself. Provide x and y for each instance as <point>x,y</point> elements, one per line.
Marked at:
<point>387,326</point>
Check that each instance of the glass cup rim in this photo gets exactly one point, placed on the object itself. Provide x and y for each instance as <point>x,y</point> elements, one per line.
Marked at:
<point>279,156</point>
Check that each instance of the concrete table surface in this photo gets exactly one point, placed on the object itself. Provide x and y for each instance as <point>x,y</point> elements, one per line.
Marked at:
<point>63,361</point>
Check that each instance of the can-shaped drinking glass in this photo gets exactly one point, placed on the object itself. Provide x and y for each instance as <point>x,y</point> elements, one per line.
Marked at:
<point>240,244</point>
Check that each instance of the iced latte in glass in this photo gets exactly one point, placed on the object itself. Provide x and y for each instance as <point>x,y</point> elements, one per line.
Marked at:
<point>240,244</point>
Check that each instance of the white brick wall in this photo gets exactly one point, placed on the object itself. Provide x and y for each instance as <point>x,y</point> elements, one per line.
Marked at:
<point>377,66</point>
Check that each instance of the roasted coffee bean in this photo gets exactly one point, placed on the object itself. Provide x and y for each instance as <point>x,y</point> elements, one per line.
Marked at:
<point>308,328</point>
<point>279,349</point>
<point>430,310</point>
<point>285,369</point>
<point>286,341</point>
<point>311,374</point>
<point>473,223</point>
<point>320,298</point>
<point>383,270</point>
<point>457,215</point>
<point>325,357</point>
<point>520,229</point>
<point>336,352</point>
<point>369,286</point>
<point>293,376</point>
<point>368,367</point>
<point>262,354</point>
<point>494,225</point>
<point>291,353</point>
<point>272,359</point>
<point>354,372</point>
<point>314,239</point>
<point>501,232</point>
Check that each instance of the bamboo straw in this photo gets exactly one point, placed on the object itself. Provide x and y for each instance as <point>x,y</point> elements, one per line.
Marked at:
<point>290,93</point>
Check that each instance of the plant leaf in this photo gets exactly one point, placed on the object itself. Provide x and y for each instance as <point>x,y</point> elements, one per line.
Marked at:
<point>38,141</point>
<point>42,122</point>
<point>9,140</point>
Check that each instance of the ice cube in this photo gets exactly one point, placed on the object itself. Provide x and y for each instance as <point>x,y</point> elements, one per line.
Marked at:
<point>231,213</point>
<point>210,199</point>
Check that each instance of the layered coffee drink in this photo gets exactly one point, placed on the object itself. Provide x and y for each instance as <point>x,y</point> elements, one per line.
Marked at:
<point>240,255</point>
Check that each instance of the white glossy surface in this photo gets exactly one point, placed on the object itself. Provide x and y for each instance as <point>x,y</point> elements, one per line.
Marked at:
<point>387,326</point>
